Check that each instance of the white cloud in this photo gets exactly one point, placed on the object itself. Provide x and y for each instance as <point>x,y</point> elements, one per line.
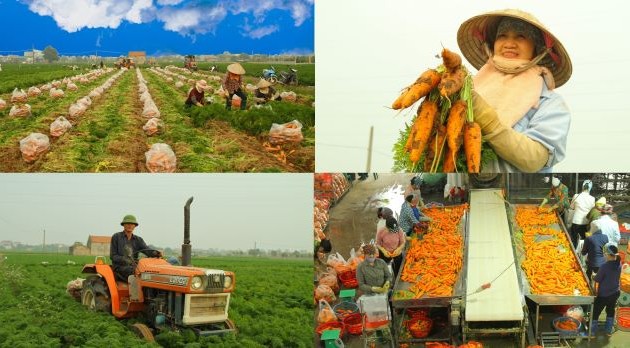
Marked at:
<point>192,20</point>
<point>74,15</point>
<point>262,31</point>
<point>169,2</point>
<point>185,18</point>
<point>300,9</point>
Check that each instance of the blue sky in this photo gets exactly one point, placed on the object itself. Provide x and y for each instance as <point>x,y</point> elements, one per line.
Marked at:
<point>114,27</point>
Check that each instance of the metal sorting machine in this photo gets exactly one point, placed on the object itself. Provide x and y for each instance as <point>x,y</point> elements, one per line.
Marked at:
<point>447,307</point>
<point>493,301</point>
<point>539,300</point>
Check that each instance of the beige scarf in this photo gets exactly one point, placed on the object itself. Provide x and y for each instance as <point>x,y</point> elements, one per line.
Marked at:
<point>510,91</point>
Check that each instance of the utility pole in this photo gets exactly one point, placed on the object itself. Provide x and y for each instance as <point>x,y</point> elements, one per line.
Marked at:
<point>44,243</point>
<point>369,159</point>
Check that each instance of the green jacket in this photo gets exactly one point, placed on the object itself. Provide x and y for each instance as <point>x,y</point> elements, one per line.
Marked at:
<point>372,275</point>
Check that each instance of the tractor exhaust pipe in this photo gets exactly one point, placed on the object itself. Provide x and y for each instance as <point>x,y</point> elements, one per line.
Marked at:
<point>186,247</point>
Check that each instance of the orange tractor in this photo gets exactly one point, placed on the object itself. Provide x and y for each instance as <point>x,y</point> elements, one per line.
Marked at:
<point>166,295</point>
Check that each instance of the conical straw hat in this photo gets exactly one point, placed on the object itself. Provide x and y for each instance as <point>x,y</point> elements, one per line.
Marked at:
<point>473,32</point>
<point>236,68</point>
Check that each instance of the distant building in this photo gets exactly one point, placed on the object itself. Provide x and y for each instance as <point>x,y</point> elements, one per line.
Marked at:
<point>139,57</point>
<point>6,244</point>
<point>99,245</point>
<point>79,249</point>
<point>37,55</point>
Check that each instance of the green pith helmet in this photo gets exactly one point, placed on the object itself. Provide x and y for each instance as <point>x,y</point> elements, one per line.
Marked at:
<point>129,219</point>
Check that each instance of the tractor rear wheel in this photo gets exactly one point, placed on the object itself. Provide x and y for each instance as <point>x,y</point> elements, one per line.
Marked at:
<point>95,295</point>
<point>143,332</point>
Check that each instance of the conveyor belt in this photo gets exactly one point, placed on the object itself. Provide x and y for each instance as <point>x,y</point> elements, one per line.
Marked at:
<point>489,253</point>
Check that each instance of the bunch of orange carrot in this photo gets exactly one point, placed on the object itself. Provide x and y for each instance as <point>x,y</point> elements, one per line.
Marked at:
<point>444,120</point>
<point>433,263</point>
<point>549,265</point>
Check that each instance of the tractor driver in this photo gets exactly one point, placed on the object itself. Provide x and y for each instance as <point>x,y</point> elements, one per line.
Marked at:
<point>125,247</point>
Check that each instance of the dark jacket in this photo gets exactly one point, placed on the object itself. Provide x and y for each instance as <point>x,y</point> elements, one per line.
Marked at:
<point>608,278</point>
<point>121,255</point>
<point>593,248</point>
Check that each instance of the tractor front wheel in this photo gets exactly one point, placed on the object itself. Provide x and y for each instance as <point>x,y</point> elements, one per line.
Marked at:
<point>143,332</point>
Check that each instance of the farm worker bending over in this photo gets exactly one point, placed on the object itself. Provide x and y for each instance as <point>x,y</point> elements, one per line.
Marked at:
<point>264,92</point>
<point>233,84</point>
<point>560,192</point>
<point>520,63</point>
<point>407,219</point>
<point>373,274</point>
<point>582,203</point>
<point>196,94</point>
<point>125,247</point>
<point>608,291</point>
<point>607,225</point>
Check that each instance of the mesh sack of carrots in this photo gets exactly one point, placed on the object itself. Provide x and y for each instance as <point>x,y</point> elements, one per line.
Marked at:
<point>549,263</point>
<point>444,122</point>
<point>432,264</point>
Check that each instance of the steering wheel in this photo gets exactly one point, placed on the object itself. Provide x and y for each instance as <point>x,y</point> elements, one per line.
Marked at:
<point>148,249</point>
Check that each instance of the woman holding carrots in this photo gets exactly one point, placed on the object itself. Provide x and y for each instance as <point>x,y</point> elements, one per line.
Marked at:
<point>373,274</point>
<point>520,63</point>
<point>391,242</point>
<point>608,291</point>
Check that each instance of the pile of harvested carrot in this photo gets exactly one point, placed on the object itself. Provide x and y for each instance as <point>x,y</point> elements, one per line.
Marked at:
<point>444,120</point>
<point>549,265</point>
<point>567,324</point>
<point>433,263</point>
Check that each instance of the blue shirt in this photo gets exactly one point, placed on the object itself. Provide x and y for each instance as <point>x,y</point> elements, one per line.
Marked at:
<point>608,278</point>
<point>594,249</point>
<point>407,219</point>
<point>548,124</point>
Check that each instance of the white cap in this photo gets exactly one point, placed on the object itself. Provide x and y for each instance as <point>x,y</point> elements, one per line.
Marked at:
<point>555,181</point>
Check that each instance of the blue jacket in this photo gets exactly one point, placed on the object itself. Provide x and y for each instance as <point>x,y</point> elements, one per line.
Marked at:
<point>608,278</point>
<point>594,249</point>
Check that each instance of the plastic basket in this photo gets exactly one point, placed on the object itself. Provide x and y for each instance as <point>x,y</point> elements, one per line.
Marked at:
<point>354,323</point>
<point>417,313</point>
<point>344,309</point>
<point>624,299</point>
<point>349,279</point>
<point>331,326</point>
<point>623,318</point>
<point>564,332</point>
<point>419,328</point>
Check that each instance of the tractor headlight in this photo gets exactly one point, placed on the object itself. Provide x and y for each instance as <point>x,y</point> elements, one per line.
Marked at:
<point>228,282</point>
<point>197,283</point>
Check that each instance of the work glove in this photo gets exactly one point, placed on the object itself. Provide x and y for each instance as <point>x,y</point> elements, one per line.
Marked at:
<point>386,285</point>
<point>544,201</point>
<point>128,260</point>
<point>516,148</point>
<point>378,289</point>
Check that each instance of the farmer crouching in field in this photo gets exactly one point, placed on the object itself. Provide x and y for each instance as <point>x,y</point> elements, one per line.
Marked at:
<point>233,84</point>
<point>520,63</point>
<point>264,92</point>
<point>125,247</point>
<point>196,95</point>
